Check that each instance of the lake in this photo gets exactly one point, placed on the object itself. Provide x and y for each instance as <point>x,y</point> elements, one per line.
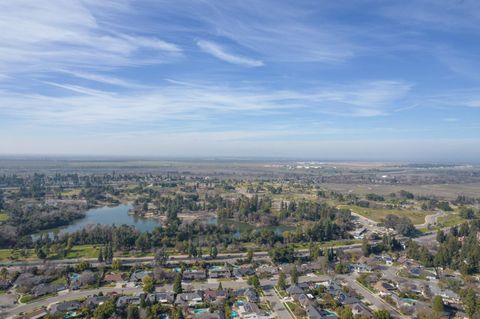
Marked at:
<point>118,215</point>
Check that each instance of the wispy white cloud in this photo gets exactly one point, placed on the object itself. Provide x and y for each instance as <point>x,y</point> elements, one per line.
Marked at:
<point>220,53</point>
<point>277,31</point>
<point>195,104</point>
<point>79,89</point>
<point>106,79</point>
<point>43,36</point>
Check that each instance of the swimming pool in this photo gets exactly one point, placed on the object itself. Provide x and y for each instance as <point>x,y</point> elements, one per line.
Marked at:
<point>200,310</point>
<point>409,300</point>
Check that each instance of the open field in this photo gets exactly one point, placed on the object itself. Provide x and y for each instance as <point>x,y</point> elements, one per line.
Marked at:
<point>83,251</point>
<point>3,216</point>
<point>449,191</point>
<point>378,214</point>
<point>80,251</point>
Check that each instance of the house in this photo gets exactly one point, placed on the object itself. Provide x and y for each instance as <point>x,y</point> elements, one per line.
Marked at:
<point>360,268</point>
<point>250,310</point>
<point>209,315</point>
<point>415,271</point>
<point>215,296</point>
<point>303,300</point>
<point>343,298</point>
<point>384,288</point>
<point>447,295</point>
<point>313,266</point>
<point>249,293</point>
<point>86,278</point>
<point>37,314</point>
<point>115,278</point>
<point>359,309</point>
<point>189,298</point>
<point>243,272</point>
<point>46,289</point>
<point>314,313</point>
<point>388,260</point>
<point>28,280</point>
<point>138,275</point>
<point>219,272</point>
<point>408,286</point>
<point>127,300</point>
<point>333,288</point>
<point>161,297</point>
<point>65,306</point>
<point>359,233</point>
<point>94,301</point>
<point>5,284</point>
<point>266,270</point>
<point>194,274</point>
<point>294,290</point>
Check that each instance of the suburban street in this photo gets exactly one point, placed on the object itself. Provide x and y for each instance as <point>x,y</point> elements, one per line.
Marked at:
<point>267,285</point>
<point>375,300</point>
<point>277,305</point>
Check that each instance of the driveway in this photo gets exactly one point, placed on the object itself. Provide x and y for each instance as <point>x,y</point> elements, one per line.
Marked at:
<point>277,305</point>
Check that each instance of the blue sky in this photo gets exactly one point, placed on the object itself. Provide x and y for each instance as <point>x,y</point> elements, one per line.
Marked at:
<point>366,80</point>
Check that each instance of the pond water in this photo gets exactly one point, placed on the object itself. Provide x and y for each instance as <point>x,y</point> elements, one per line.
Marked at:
<point>118,215</point>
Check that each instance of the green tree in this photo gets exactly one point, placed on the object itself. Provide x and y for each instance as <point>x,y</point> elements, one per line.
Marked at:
<point>440,236</point>
<point>4,273</point>
<point>228,310</point>
<point>177,284</point>
<point>117,264</point>
<point>143,242</point>
<point>282,283</point>
<point>470,301</point>
<point>100,255</point>
<point>294,275</point>
<point>132,312</point>
<point>366,248</point>
<point>148,285</point>
<point>437,304</point>
<point>104,310</point>
<point>41,254</point>
<point>178,314</point>
<point>382,314</point>
<point>254,281</point>
<point>345,313</point>
<point>249,258</point>
<point>213,251</point>
<point>161,256</point>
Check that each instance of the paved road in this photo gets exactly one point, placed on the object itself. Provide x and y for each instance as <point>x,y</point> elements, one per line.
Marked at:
<point>431,220</point>
<point>230,258</point>
<point>77,294</point>
<point>277,305</point>
<point>213,284</point>
<point>375,300</point>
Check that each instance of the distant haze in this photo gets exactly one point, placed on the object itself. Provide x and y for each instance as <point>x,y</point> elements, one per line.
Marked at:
<point>347,80</point>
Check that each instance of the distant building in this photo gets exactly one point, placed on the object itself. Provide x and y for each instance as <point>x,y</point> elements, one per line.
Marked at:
<point>194,274</point>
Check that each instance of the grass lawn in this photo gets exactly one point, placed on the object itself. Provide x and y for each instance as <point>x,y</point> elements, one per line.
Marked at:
<point>83,251</point>
<point>451,219</point>
<point>60,280</point>
<point>72,192</point>
<point>5,254</point>
<point>3,216</point>
<point>30,298</point>
<point>377,214</point>
<point>291,305</point>
<point>332,243</point>
<point>282,293</point>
